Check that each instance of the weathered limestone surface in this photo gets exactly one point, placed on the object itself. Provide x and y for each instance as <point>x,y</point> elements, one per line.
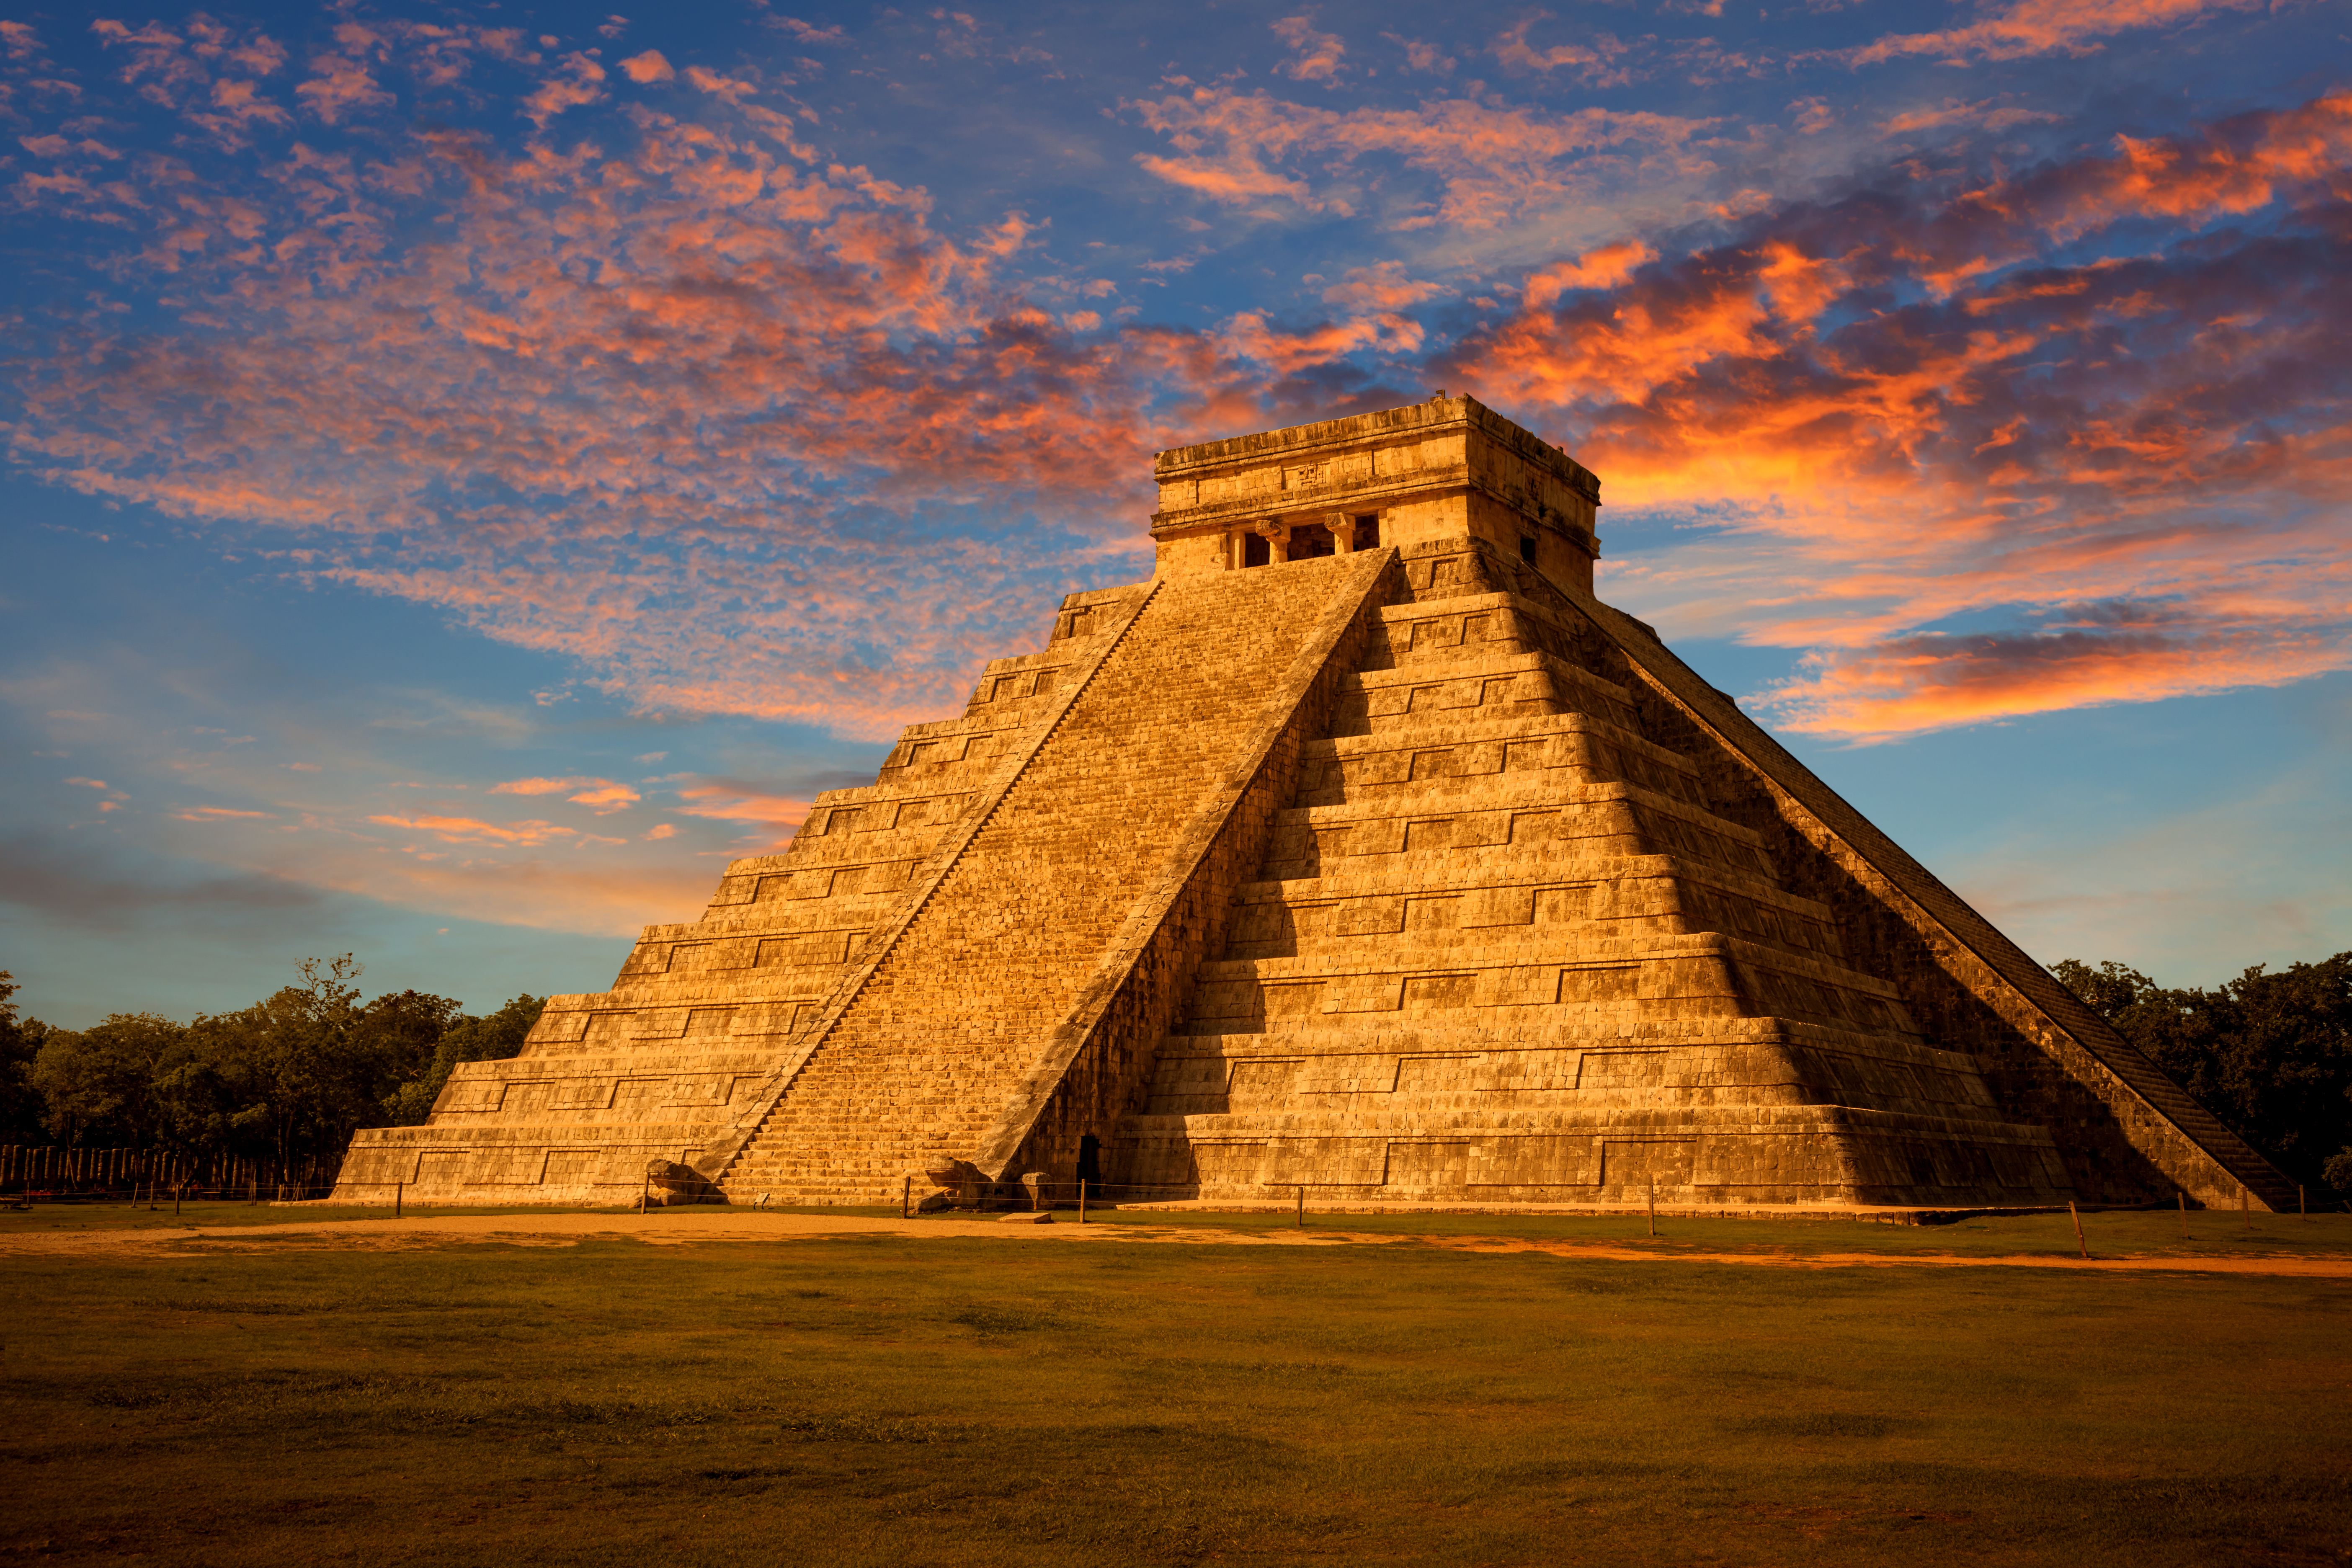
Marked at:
<point>1361,849</point>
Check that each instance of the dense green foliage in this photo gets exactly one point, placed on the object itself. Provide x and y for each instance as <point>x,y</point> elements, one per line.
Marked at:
<point>2271,1055</point>
<point>283,1082</point>
<point>20,1041</point>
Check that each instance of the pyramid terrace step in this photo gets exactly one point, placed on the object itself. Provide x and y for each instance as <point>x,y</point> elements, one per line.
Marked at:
<point>1718,1040</point>
<point>1474,725</point>
<point>1069,836</point>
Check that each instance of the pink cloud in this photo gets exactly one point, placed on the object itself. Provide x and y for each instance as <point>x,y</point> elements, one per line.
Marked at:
<point>580,86</point>
<point>1595,63</point>
<point>718,86</point>
<point>606,797</point>
<point>648,67</point>
<point>1315,55</point>
<point>540,786</point>
<point>338,88</point>
<point>1955,112</point>
<point>472,830</point>
<point>602,794</point>
<point>730,802</point>
<point>1495,164</point>
<point>1382,287</point>
<point>2041,27</point>
<point>729,286</point>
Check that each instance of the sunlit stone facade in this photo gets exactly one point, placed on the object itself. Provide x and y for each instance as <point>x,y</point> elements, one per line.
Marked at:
<point>1362,851</point>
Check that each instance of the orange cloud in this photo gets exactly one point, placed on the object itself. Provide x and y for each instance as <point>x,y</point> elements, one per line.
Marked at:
<point>1955,112</point>
<point>1495,164</point>
<point>540,786</point>
<point>718,86</point>
<point>472,830</point>
<point>1605,268</point>
<point>606,797</point>
<point>730,802</point>
<point>1316,55</point>
<point>1595,62</point>
<point>700,360</point>
<point>1384,286</point>
<point>635,459</point>
<point>340,87</point>
<point>578,87</point>
<point>2041,27</point>
<point>1876,473</point>
<point>602,794</point>
<point>648,67</point>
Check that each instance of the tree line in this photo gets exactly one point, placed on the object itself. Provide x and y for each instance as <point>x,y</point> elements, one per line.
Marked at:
<point>285,1082</point>
<point>2271,1055</point>
<point>281,1084</point>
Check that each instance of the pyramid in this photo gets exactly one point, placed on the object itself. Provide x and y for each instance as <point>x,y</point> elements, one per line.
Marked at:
<point>1360,852</point>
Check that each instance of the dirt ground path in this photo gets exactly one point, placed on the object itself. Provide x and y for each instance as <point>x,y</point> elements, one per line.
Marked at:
<point>687,1228</point>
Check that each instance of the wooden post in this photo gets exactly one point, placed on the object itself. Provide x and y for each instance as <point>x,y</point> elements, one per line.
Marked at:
<point>1302,1206</point>
<point>645,1194</point>
<point>175,1198</point>
<point>1653,1205</point>
<point>2245,1208</point>
<point>2184,1214</point>
<point>399,1191</point>
<point>2302,1201</point>
<point>1082,1200</point>
<point>2079,1243</point>
<point>906,1195</point>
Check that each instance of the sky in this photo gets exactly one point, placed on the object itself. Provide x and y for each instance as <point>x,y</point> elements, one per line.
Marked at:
<point>471,470</point>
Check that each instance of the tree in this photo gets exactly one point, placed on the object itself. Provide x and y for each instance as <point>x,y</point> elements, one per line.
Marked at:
<point>20,1041</point>
<point>292,1078</point>
<point>2269,1054</point>
<point>493,1038</point>
<point>98,1084</point>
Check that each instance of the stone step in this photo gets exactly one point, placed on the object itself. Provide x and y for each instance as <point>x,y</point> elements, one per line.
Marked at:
<point>955,1015</point>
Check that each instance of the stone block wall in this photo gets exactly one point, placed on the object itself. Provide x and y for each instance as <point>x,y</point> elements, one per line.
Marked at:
<point>1410,872</point>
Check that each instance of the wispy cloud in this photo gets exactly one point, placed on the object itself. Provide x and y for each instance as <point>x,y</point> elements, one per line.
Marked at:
<point>2040,27</point>
<point>1490,163</point>
<point>684,359</point>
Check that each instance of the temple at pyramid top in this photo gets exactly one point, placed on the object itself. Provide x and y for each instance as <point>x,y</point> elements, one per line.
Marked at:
<point>1359,854</point>
<point>1447,468</point>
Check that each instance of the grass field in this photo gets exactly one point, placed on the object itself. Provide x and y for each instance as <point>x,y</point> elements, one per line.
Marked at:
<point>979,1401</point>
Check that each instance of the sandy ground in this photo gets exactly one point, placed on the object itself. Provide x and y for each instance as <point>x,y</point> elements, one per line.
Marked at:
<point>687,1228</point>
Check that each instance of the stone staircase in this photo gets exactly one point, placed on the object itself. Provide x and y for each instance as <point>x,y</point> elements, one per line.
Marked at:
<point>702,1011</point>
<point>1502,948</point>
<point>925,1057</point>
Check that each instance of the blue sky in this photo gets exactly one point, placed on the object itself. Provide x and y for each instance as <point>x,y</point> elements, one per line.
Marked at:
<point>474,469</point>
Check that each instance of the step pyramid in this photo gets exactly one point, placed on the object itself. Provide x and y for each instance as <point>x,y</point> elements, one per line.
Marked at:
<point>1360,852</point>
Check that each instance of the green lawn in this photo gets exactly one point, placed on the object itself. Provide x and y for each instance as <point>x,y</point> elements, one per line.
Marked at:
<point>990,1401</point>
